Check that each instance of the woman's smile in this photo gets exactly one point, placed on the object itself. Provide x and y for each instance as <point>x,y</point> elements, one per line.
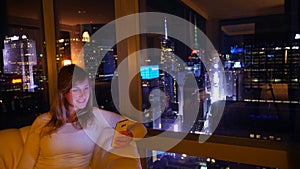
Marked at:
<point>79,94</point>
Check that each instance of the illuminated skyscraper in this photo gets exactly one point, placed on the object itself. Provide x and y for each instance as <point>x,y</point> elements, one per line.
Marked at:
<point>168,61</point>
<point>64,48</point>
<point>19,57</point>
<point>99,69</point>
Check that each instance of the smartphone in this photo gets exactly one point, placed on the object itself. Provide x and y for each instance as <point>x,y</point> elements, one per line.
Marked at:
<point>120,126</point>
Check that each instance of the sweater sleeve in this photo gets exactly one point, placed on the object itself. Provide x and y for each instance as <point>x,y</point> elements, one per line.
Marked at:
<point>109,119</point>
<point>32,144</point>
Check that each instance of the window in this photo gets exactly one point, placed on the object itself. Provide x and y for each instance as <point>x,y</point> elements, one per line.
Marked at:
<point>24,87</point>
<point>252,91</point>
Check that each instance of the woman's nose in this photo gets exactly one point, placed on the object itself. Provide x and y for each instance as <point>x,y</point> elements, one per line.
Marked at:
<point>82,93</point>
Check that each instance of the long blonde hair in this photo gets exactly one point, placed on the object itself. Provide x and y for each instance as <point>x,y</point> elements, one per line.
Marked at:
<point>68,75</point>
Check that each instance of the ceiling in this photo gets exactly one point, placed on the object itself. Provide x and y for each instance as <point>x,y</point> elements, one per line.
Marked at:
<point>73,12</point>
<point>231,9</point>
<point>68,12</point>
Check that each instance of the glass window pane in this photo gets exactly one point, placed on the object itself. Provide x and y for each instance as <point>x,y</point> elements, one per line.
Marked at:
<point>77,22</point>
<point>160,159</point>
<point>23,75</point>
<point>259,52</point>
<point>178,72</point>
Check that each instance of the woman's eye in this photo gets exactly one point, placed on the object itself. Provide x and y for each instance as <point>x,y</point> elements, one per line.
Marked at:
<point>75,90</point>
<point>86,88</point>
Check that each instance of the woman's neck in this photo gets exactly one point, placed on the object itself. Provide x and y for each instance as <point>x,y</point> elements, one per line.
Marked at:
<point>71,116</point>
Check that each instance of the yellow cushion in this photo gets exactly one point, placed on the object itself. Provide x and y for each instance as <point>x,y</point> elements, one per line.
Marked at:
<point>11,147</point>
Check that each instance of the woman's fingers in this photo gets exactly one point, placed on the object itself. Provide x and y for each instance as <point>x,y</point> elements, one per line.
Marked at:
<point>123,139</point>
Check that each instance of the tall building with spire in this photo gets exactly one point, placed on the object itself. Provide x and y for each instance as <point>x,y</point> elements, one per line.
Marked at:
<point>168,61</point>
<point>19,57</point>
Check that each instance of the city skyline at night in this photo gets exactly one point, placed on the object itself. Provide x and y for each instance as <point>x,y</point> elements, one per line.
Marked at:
<point>248,102</point>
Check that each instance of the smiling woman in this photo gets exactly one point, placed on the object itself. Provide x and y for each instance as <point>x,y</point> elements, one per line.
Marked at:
<point>66,137</point>
<point>73,95</point>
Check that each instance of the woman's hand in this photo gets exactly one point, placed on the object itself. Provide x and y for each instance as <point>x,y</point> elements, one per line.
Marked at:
<point>123,139</point>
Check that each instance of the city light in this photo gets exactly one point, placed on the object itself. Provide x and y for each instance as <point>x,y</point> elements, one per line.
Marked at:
<point>86,36</point>
<point>176,128</point>
<point>14,38</point>
<point>15,81</point>
<point>67,62</point>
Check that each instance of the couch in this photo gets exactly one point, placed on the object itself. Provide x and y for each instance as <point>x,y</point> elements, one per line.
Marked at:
<point>12,142</point>
<point>11,146</point>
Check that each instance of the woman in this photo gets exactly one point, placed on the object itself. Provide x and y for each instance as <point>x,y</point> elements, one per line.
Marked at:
<point>66,136</point>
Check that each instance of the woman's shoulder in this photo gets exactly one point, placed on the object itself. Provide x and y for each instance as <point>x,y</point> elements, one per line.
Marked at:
<point>105,116</point>
<point>97,111</point>
<point>104,113</point>
<point>97,122</point>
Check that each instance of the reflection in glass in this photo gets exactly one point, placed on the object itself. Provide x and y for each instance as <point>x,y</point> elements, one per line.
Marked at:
<point>169,160</point>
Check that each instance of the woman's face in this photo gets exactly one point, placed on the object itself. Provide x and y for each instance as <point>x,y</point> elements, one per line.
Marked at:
<point>79,94</point>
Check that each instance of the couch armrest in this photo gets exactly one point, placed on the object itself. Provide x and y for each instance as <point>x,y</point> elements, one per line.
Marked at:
<point>11,146</point>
